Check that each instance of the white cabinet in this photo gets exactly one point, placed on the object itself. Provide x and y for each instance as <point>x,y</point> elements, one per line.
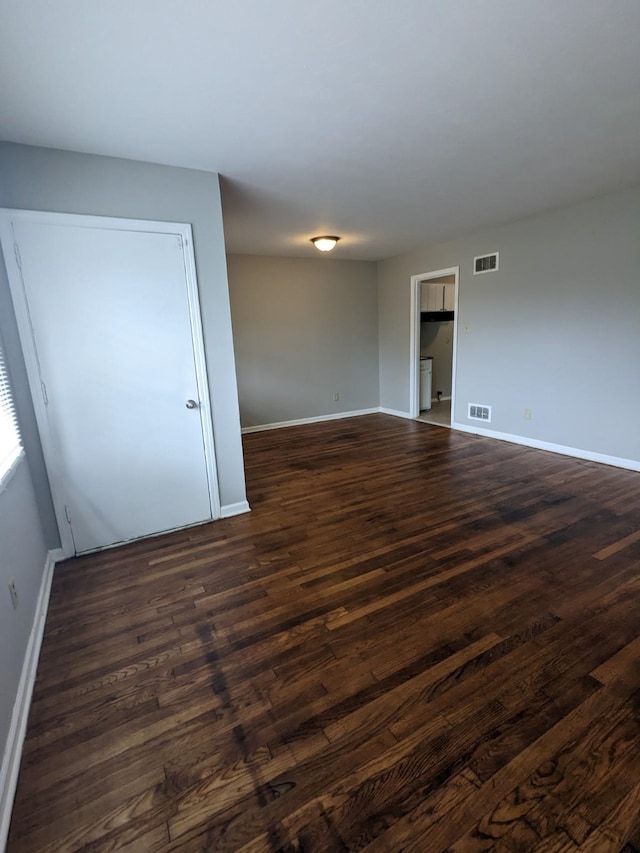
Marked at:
<point>424,296</point>
<point>449,297</point>
<point>437,297</point>
<point>431,297</point>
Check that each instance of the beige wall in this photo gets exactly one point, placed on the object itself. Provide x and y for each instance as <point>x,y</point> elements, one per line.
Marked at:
<point>303,329</point>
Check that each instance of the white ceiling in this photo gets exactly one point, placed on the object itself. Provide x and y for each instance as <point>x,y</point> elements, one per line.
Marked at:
<point>389,123</point>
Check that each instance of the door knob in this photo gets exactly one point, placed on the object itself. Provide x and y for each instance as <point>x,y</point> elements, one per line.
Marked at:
<point>191,404</point>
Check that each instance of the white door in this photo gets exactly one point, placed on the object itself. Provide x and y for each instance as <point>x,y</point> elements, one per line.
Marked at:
<point>113,330</point>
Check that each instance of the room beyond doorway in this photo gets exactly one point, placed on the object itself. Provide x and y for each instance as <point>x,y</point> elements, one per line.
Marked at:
<point>434,309</point>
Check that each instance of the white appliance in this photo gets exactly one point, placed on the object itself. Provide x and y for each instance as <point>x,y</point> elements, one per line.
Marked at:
<point>426,370</point>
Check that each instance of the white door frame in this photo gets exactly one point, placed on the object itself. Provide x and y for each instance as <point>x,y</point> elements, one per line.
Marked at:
<point>16,284</point>
<point>414,363</point>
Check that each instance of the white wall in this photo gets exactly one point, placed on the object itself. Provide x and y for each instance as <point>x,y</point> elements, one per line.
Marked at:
<point>67,182</point>
<point>303,328</point>
<point>556,329</point>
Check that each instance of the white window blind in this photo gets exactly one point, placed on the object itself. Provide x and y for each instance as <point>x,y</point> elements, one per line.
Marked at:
<point>9,432</point>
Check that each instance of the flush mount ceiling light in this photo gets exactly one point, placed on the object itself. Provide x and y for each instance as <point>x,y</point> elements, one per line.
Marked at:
<point>325,244</point>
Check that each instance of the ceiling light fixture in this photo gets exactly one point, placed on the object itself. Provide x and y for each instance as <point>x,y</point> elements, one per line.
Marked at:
<point>325,244</point>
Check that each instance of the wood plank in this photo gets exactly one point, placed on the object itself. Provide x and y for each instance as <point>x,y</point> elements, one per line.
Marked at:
<point>418,640</point>
<point>614,548</point>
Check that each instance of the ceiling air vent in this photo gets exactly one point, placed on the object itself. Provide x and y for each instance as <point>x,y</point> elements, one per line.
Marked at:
<point>485,263</point>
<point>479,413</point>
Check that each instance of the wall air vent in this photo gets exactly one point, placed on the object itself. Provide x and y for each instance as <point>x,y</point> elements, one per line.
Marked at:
<point>479,413</point>
<point>485,263</point>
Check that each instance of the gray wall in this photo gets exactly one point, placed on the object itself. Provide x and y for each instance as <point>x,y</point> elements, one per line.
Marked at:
<point>556,329</point>
<point>303,328</point>
<point>22,537</point>
<point>47,179</point>
<point>22,558</point>
<point>24,406</point>
<point>436,340</point>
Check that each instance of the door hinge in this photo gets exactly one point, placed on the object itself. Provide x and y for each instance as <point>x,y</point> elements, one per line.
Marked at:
<point>44,394</point>
<point>67,513</point>
<point>16,252</point>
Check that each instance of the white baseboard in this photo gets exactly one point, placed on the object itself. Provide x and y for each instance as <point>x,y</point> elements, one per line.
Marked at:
<point>314,420</point>
<point>441,400</point>
<point>395,412</point>
<point>18,728</point>
<point>229,510</point>
<point>589,455</point>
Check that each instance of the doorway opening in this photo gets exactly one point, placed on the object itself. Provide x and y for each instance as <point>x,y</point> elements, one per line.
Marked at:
<point>434,333</point>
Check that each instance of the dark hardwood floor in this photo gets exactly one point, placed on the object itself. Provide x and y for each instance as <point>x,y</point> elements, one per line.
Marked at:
<point>418,640</point>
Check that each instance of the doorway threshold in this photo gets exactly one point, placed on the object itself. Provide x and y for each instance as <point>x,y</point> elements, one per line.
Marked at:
<point>438,415</point>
